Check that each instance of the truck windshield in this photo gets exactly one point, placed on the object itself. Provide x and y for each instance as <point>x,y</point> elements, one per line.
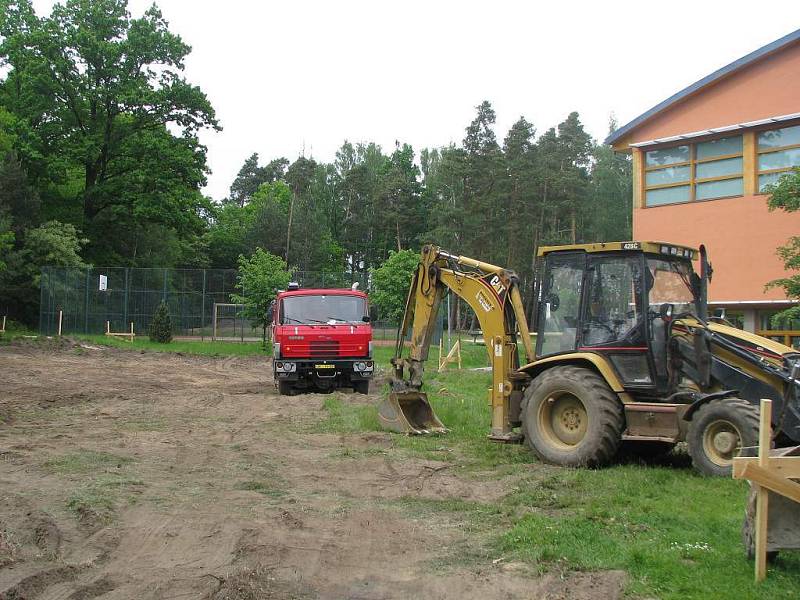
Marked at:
<point>330,309</point>
<point>671,283</point>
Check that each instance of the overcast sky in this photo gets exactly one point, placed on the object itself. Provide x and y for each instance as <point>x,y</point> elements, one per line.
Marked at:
<point>289,75</point>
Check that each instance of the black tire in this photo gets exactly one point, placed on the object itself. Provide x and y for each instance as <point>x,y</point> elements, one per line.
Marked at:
<point>571,417</point>
<point>361,387</point>
<point>285,388</point>
<point>717,433</point>
<point>749,542</point>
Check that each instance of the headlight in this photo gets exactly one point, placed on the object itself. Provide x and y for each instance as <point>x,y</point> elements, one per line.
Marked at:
<point>285,367</point>
<point>359,366</point>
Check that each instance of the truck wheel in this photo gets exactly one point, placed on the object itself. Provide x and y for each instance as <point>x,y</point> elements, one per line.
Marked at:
<point>572,418</point>
<point>285,388</point>
<point>361,387</point>
<point>717,433</point>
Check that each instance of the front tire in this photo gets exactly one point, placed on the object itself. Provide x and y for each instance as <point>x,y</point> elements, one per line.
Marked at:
<point>718,432</point>
<point>572,418</point>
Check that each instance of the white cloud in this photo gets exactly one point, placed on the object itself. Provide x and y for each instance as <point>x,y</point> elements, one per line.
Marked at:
<point>282,75</point>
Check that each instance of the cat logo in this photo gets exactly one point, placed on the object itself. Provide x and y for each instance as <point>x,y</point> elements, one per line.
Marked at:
<point>497,285</point>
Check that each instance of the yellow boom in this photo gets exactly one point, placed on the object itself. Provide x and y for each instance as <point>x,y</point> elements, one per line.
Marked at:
<point>492,292</point>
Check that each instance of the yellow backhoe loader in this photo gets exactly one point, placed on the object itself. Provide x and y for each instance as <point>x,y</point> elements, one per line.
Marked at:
<point>624,353</point>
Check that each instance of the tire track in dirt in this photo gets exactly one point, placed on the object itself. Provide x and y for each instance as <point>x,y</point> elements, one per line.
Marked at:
<point>223,493</point>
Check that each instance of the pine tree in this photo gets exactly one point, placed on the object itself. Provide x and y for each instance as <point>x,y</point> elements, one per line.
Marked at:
<point>161,326</point>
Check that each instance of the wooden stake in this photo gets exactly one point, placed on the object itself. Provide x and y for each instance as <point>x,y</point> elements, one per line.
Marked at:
<point>762,494</point>
<point>3,330</point>
<point>60,316</point>
<point>455,350</point>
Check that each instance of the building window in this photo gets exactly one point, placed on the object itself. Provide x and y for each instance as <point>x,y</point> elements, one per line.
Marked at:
<point>778,153</point>
<point>700,171</point>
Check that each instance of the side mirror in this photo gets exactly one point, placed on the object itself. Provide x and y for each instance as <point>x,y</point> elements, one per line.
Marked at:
<point>554,302</point>
<point>366,319</point>
<point>665,311</point>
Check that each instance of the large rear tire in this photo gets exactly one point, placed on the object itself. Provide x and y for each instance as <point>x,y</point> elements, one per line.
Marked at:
<point>717,433</point>
<point>571,417</point>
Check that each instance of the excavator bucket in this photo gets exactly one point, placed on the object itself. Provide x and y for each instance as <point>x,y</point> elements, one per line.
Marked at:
<point>409,412</point>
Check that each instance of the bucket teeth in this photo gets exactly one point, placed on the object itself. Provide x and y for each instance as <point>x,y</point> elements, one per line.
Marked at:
<point>409,412</point>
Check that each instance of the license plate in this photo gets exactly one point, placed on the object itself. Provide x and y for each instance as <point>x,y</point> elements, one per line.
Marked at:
<point>325,366</point>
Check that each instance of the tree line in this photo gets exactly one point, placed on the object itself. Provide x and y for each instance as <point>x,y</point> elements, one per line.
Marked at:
<point>100,163</point>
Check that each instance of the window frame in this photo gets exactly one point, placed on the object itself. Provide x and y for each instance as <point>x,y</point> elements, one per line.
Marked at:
<point>692,164</point>
<point>772,150</point>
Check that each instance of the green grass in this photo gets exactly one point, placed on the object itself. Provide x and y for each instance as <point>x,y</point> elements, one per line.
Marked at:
<point>85,461</point>
<point>208,348</point>
<point>154,423</point>
<point>265,488</point>
<point>472,356</point>
<point>96,500</point>
<point>344,418</point>
<point>106,480</point>
<point>675,533</point>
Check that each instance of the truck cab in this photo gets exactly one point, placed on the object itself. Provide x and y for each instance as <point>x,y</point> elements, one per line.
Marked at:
<point>322,340</point>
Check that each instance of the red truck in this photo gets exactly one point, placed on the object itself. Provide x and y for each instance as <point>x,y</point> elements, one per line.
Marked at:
<point>322,340</point>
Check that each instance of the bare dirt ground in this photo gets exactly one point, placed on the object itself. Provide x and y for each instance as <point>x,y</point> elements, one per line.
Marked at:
<point>133,475</point>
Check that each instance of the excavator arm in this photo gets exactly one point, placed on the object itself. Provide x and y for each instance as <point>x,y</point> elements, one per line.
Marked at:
<point>492,292</point>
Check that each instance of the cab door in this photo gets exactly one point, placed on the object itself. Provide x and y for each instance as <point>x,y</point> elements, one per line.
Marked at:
<point>559,303</point>
<point>614,315</point>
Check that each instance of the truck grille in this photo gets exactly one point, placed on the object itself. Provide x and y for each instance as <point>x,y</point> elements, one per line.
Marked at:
<point>326,348</point>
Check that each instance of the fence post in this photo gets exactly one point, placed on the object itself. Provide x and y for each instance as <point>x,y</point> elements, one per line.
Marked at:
<point>125,300</point>
<point>42,311</point>
<point>63,297</point>
<point>214,326</point>
<point>86,305</point>
<point>203,309</point>
<point>164,293</point>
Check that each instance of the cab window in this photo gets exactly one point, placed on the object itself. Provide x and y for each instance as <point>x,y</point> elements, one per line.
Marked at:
<point>559,308</point>
<point>612,313</point>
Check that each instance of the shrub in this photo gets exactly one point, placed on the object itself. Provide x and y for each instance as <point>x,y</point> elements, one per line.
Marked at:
<point>161,326</point>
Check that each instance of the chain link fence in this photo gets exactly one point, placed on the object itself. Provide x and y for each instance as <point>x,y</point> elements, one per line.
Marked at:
<point>87,301</point>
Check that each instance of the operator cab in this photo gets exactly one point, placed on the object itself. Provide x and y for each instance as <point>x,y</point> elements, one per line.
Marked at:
<point>616,299</point>
<point>322,307</point>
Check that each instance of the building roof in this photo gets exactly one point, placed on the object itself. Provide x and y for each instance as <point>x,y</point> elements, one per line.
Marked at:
<point>707,80</point>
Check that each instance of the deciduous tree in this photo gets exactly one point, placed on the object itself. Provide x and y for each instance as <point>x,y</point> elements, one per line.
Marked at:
<point>785,195</point>
<point>258,280</point>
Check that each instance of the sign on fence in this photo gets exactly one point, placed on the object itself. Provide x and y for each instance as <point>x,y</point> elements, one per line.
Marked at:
<point>103,283</point>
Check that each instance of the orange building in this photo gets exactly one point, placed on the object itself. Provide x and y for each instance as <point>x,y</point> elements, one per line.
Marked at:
<point>701,159</point>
